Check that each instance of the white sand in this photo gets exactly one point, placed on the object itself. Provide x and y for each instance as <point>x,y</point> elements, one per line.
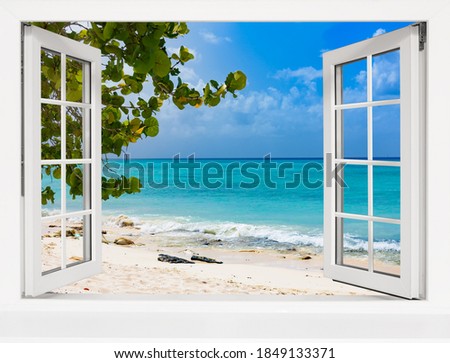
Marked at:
<point>135,269</point>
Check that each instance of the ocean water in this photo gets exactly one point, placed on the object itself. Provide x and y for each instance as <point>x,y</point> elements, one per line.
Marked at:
<point>274,203</point>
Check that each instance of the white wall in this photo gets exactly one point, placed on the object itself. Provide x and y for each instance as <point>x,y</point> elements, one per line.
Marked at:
<point>280,318</point>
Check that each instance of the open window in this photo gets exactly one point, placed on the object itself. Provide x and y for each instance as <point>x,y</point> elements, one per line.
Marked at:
<point>375,130</point>
<point>62,160</point>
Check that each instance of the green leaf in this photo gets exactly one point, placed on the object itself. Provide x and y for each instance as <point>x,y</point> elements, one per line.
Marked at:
<point>236,81</point>
<point>75,178</point>
<point>57,173</point>
<point>117,100</point>
<point>114,50</point>
<point>185,56</point>
<point>108,30</point>
<point>207,90</point>
<point>134,124</point>
<point>97,31</point>
<point>152,127</point>
<point>142,66</point>
<point>123,35</point>
<point>162,64</point>
<point>126,91</point>
<point>134,185</point>
<point>118,147</point>
<point>47,194</point>
<point>141,28</point>
<point>214,101</point>
<point>150,42</point>
<point>147,113</point>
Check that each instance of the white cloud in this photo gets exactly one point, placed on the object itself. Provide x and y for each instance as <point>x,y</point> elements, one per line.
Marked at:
<point>361,77</point>
<point>212,38</point>
<point>268,112</point>
<point>305,76</point>
<point>379,31</point>
<point>258,121</point>
<point>188,74</point>
<point>304,73</point>
<point>386,73</point>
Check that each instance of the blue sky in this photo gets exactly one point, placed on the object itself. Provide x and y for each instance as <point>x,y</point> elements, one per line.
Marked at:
<point>280,111</point>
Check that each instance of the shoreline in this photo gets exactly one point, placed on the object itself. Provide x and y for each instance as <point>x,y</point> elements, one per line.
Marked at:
<point>135,269</point>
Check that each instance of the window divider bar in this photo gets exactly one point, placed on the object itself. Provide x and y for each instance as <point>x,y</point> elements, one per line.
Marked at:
<point>63,243</point>
<point>339,152</point>
<point>370,166</point>
<point>367,104</point>
<point>366,218</point>
<point>369,78</point>
<point>63,157</point>
<point>50,101</point>
<point>67,215</point>
<point>87,169</point>
<point>66,162</point>
<point>367,162</point>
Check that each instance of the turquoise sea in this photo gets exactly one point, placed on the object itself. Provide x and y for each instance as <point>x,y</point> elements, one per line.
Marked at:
<point>275,203</point>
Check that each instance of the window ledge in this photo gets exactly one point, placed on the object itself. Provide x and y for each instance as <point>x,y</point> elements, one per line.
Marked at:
<point>120,317</point>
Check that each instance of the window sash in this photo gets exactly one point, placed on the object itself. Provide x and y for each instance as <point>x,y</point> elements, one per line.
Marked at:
<point>36,39</point>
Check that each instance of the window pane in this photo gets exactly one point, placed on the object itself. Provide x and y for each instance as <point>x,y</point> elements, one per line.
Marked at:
<point>78,191</point>
<point>386,132</point>
<point>354,189</point>
<point>386,191</point>
<point>50,75</point>
<point>78,232</point>
<point>50,132</point>
<point>354,125</point>
<point>354,81</point>
<point>74,80</point>
<point>77,127</point>
<point>51,245</point>
<point>386,248</point>
<point>386,76</point>
<point>354,243</point>
<point>50,190</point>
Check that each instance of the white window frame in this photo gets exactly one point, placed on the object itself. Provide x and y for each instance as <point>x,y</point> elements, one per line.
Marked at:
<point>410,283</point>
<point>36,39</point>
<point>283,318</point>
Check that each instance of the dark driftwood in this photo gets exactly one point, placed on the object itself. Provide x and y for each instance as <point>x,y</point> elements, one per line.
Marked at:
<point>172,259</point>
<point>205,259</point>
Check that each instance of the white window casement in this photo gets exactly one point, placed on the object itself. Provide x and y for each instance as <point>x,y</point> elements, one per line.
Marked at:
<point>400,111</point>
<point>294,318</point>
<point>62,83</point>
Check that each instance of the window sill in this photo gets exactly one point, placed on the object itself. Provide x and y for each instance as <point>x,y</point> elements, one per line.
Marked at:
<point>231,317</point>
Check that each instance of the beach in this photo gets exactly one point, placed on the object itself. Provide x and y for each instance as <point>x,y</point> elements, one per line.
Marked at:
<point>135,269</point>
<point>269,237</point>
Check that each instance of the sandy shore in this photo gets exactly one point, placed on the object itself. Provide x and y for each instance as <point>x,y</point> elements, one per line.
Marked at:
<point>135,269</point>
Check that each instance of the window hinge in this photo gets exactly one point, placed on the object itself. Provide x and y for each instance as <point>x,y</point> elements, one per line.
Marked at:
<point>422,34</point>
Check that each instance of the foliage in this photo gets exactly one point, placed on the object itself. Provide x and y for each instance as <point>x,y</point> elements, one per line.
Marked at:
<point>133,54</point>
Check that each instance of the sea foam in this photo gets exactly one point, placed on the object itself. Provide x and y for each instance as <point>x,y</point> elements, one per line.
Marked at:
<point>251,234</point>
